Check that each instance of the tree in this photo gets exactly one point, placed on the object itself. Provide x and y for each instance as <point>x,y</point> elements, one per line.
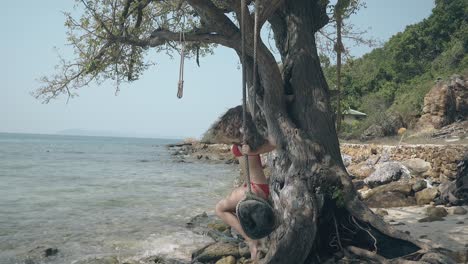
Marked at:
<point>331,40</point>
<point>320,216</point>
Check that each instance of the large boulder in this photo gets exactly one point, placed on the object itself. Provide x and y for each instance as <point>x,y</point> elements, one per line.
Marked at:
<point>394,194</point>
<point>403,187</point>
<point>387,172</point>
<point>390,199</point>
<point>445,103</point>
<point>417,166</point>
<point>361,170</point>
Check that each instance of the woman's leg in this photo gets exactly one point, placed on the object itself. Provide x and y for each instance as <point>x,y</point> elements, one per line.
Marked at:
<point>225,209</point>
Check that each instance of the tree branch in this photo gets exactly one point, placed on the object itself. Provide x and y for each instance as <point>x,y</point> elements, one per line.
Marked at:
<point>267,9</point>
<point>161,37</point>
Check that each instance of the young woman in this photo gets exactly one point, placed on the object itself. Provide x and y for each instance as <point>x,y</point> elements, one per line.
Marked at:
<point>228,130</point>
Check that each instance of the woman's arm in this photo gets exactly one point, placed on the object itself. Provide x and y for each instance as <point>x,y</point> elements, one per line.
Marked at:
<point>267,147</point>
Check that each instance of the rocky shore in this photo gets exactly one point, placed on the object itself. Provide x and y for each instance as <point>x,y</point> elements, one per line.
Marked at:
<point>411,187</point>
<point>414,183</point>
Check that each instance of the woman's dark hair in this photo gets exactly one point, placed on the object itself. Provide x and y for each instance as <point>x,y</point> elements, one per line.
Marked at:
<point>227,130</point>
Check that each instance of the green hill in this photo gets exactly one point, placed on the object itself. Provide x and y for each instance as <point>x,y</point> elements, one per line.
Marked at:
<point>396,76</point>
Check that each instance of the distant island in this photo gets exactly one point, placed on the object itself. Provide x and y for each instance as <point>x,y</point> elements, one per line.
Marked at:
<point>109,133</point>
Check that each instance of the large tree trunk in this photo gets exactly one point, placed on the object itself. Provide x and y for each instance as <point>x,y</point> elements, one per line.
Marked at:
<point>320,216</point>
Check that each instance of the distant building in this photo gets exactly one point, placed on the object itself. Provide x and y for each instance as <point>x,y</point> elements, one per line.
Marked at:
<point>352,115</point>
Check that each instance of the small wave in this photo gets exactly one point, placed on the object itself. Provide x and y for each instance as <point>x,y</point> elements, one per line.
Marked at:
<point>177,245</point>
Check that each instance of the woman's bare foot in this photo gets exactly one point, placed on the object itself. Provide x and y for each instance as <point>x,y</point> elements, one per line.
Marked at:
<point>253,247</point>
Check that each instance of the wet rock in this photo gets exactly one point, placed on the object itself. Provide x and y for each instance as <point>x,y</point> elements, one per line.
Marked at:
<point>219,226</point>
<point>417,166</point>
<point>53,251</point>
<point>436,212</point>
<point>387,172</point>
<point>158,260</point>
<point>227,260</point>
<point>426,196</point>
<point>100,260</point>
<point>419,185</point>
<point>216,251</point>
<point>458,210</point>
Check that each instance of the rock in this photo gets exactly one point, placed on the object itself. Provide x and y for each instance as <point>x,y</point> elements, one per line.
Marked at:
<point>387,172</point>
<point>53,251</point>
<point>381,212</point>
<point>430,219</point>
<point>358,184</point>
<point>227,260</point>
<point>361,170</point>
<point>436,258</point>
<point>374,131</point>
<point>417,166</point>
<point>400,187</point>
<point>387,126</point>
<point>347,160</point>
<point>458,210</point>
<point>419,185</point>
<point>100,260</point>
<point>426,196</point>
<point>436,212</point>
<point>445,103</point>
<point>216,251</point>
<point>219,226</point>
<point>390,199</point>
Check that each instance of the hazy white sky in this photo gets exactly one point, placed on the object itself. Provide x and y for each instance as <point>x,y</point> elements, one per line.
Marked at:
<point>147,107</point>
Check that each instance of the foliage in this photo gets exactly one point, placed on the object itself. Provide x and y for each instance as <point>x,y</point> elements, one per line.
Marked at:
<point>403,70</point>
<point>111,39</point>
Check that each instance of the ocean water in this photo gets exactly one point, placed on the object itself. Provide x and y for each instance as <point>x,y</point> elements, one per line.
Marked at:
<point>96,196</point>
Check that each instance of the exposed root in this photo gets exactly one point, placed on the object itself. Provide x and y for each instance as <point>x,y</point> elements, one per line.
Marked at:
<point>368,232</point>
<point>367,254</point>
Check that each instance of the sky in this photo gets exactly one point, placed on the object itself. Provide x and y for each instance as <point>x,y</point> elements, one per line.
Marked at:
<point>148,107</point>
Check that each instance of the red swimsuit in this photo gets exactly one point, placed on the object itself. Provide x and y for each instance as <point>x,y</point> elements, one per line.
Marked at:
<point>255,186</point>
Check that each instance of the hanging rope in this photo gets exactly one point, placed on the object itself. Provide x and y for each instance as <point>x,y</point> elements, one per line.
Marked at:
<point>180,86</point>
<point>244,93</point>
<point>255,70</point>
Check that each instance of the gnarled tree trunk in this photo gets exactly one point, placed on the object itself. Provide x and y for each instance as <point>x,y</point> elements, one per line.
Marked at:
<point>320,215</point>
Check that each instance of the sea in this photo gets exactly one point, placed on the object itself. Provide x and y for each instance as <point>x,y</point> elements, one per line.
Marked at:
<point>93,197</point>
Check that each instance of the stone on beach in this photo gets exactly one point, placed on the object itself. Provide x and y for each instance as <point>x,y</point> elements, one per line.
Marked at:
<point>227,260</point>
<point>216,251</point>
<point>436,212</point>
<point>417,166</point>
<point>387,172</point>
<point>426,196</point>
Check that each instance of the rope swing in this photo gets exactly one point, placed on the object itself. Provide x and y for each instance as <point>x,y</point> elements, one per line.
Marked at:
<point>180,85</point>
<point>255,214</point>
